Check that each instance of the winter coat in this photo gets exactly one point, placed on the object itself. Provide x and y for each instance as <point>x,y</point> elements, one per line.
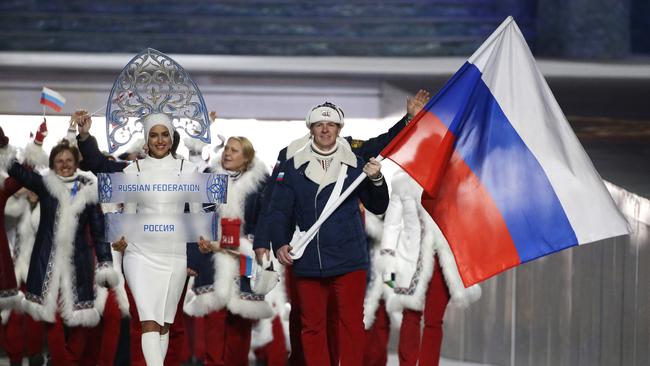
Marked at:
<point>14,261</point>
<point>21,220</point>
<point>62,259</point>
<point>376,290</point>
<point>298,200</point>
<point>410,243</point>
<point>9,294</point>
<point>217,284</point>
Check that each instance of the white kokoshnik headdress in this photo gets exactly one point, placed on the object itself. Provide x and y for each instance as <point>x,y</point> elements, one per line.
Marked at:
<point>153,87</point>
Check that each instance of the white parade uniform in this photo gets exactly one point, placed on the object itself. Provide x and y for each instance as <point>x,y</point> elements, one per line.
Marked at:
<point>156,271</point>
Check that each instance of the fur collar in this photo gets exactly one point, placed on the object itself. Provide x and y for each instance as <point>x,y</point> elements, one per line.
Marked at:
<point>240,188</point>
<point>299,144</point>
<point>87,192</point>
<point>315,172</point>
<point>66,222</point>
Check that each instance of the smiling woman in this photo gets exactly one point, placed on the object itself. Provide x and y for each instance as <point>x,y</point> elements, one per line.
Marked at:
<point>64,267</point>
<point>159,141</point>
<point>64,159</point>
<point>154,271</point>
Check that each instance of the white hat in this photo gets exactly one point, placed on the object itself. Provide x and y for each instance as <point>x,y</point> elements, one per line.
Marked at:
<point>157,119</point>
<point>325,112</point>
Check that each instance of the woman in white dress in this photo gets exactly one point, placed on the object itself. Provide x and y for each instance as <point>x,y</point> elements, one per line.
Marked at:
<point>156,271</point>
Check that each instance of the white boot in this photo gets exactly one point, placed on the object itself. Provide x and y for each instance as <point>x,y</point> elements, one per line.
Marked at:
<point>164,343</point>
<point>151,348</point>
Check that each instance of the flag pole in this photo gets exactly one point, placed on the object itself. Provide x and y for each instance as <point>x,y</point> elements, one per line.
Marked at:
<point>99,109</point>
<point>327,213</point>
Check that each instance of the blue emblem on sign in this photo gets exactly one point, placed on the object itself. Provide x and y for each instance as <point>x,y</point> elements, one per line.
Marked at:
<point>105,187</point>
<point>216,188</point>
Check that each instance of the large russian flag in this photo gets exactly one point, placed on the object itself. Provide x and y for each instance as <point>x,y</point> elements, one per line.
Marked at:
<point>52,99</point>
<point>505,177</point>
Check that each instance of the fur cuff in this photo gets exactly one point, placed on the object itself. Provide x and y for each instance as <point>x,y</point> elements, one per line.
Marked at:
<point>82,318</point>
<point>4,316</point>
<point>35,156</point>
<point>12,301</point>
<point>463,298</point>
<point>106,275</point>
<point>203,304</point>
<point>39,312</point>
<point>250,309</point>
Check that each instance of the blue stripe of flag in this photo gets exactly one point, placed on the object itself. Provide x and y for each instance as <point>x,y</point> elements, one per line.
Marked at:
<point>52,99</point>
<point>498,156</point>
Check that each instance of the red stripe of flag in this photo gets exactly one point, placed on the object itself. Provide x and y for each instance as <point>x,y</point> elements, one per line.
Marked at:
<point>50,104</point>
<point>242,265</point>
<point>472,224</point>
<point>455,198</point>
<point>245,265</point>
<point>422,149</point>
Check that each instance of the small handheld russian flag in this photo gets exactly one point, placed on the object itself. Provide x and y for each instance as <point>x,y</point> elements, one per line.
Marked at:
<point>52,99</point>
<point>245,266</point>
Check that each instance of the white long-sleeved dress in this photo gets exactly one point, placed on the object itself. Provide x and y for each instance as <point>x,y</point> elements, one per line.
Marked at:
<point>156,271</point>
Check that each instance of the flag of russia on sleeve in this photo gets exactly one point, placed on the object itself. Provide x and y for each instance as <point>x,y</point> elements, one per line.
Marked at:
<point>505,177</point>
<point>52,99</point>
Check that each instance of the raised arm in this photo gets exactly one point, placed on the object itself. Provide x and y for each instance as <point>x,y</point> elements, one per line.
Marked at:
<point>92,158</point>
<point>27,178</point>
<point>372,147</point>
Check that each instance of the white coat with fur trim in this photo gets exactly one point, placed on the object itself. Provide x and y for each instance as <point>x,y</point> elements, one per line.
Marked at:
<point>376,290</point>
<point>263,330</point>
<point>223,289</point>
<point>61,269</point>
<point>410,240</point>
<point>21,236</point>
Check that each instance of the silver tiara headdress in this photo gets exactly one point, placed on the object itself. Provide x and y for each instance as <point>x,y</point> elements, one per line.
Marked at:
<point>152,82</point>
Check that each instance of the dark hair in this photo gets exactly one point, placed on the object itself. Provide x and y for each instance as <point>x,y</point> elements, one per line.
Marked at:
<point>124,156</point>
<point>64,145</point>
<point>177,140</point>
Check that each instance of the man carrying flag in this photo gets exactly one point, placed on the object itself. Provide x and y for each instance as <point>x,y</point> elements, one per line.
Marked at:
<point>504,176</point>
<point>336,260</point>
